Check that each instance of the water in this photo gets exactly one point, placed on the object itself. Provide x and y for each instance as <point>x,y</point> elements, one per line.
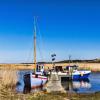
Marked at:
<point>90,85</point>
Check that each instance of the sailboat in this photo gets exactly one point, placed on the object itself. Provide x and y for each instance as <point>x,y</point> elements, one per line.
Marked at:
<point>36,79</point>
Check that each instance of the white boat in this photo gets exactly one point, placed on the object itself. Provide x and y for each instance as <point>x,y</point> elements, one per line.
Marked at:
<point>37,79</point>
<point>76,74</point>
<point>80,74</point>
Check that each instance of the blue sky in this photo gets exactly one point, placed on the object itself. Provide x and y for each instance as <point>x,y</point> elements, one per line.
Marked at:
<point>65,27</point>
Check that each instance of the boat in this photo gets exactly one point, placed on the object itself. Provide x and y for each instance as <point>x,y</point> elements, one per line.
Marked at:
<point>75,73</point>
<point>36,79</point>
<point>78,74</point>
<point>81,74</point>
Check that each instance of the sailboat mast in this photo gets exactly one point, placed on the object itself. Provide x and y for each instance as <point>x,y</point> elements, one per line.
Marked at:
<point>35,43</point>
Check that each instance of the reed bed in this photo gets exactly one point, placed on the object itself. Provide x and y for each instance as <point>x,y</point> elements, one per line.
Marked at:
<point>95,67</point>
<point>16,66</point>
<point>9,78</point>
<point>88,66</point>
<point>8,82</point>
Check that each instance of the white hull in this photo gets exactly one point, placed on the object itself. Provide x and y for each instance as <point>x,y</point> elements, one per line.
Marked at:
<point>37,82</point>
<point>77,74</point>
<point>81,72</point>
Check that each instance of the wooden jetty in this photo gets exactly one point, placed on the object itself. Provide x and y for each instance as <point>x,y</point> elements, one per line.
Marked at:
<point>54,84</point>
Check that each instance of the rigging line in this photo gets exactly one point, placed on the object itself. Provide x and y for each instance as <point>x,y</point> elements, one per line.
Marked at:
<point>40,51</point>
<point>30,53</point>
<point>41,39</point>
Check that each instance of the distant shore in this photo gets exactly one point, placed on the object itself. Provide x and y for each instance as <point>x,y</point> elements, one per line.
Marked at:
<point>95,67</point>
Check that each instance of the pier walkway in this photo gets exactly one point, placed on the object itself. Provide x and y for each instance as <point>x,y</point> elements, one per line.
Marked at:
<point>54,84</point>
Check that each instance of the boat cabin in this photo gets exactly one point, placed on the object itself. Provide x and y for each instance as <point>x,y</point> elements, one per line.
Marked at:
<point>40,68</point>
<point>74,67</point>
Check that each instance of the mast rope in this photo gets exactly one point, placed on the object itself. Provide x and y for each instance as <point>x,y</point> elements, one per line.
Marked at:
<point>30,53</point>
<point>40,41</point>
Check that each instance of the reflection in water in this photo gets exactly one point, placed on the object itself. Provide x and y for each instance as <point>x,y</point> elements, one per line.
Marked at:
<point>81,84</point>
<point>76,85</point>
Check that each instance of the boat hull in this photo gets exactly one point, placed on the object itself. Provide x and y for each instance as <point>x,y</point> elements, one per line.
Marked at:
<point>37,81</point>
<point>81,75</point>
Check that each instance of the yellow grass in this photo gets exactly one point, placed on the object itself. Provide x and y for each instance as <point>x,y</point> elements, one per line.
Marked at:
<point>16,66</point>
<point>9,77</point>
<point>90,66</point>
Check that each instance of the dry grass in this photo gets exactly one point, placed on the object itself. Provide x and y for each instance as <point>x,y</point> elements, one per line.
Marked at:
<point>7,83</point>
<point>9,78</point>
<point>91,66</point>
<point>16,66</point>
<point>95,67</point>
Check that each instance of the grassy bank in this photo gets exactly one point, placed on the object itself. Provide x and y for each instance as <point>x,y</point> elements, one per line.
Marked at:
<point>7,94</point>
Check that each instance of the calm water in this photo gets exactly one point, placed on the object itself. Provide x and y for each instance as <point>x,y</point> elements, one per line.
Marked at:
<point>90,85</point>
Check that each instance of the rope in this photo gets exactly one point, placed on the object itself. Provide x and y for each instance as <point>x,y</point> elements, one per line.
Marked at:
<point>40,42</point>
<point>30,54</point>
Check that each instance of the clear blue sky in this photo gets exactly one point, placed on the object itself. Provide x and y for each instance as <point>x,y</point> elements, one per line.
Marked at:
<point>66,27</point>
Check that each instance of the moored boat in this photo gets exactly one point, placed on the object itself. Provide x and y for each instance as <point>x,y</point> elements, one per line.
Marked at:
<point>75,73</point>
<point>36,79</point>
<point>78,74</point>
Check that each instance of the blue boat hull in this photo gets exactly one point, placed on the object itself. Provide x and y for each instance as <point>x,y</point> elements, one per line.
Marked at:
<point>84,76</point>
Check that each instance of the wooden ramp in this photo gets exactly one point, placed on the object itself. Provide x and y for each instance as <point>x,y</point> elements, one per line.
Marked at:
<point>54,84</point>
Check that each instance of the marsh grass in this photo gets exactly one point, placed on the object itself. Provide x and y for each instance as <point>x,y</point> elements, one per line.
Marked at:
<point>8,82</point>
<point>16,66</point>
<point>95,67</point>
<point>9,78</point>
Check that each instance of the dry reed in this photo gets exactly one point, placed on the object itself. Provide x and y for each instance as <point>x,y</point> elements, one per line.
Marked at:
<point>9,77</point>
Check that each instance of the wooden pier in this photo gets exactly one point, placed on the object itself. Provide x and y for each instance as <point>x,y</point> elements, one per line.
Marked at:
<point>54,84</point>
